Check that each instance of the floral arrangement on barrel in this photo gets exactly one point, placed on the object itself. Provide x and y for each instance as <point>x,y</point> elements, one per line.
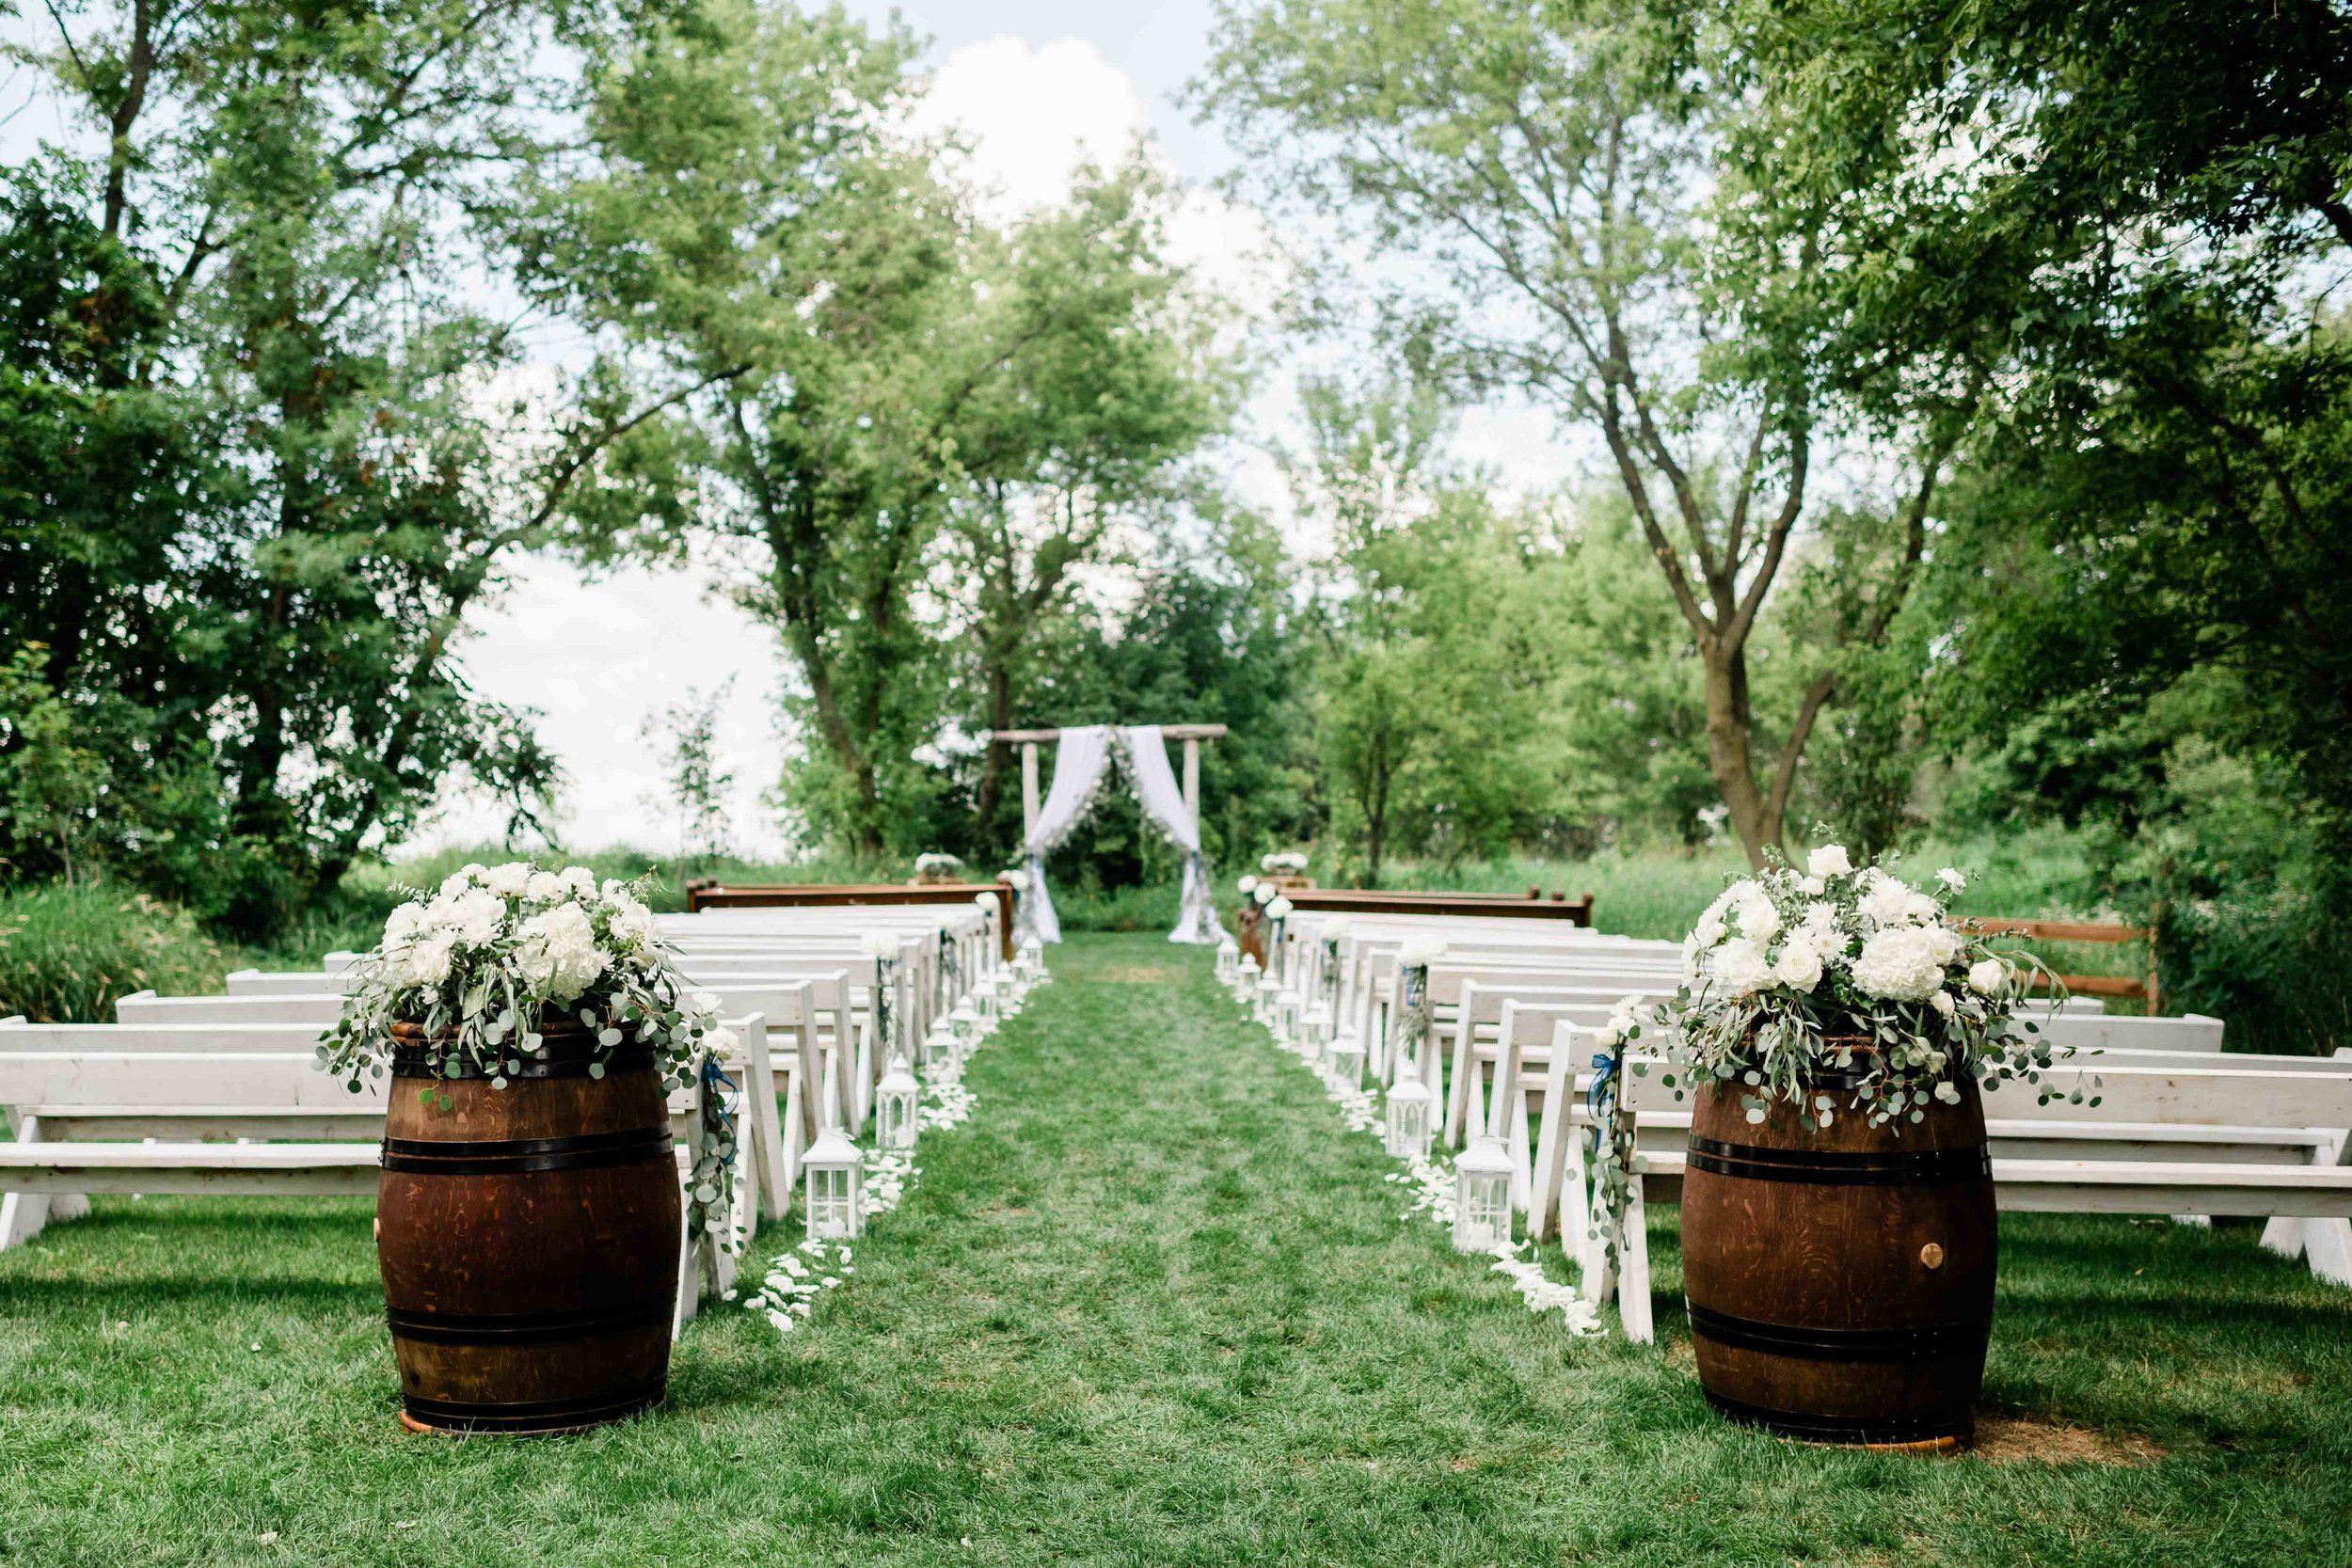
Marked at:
<point>1794,973</point>
<point>475,978</point>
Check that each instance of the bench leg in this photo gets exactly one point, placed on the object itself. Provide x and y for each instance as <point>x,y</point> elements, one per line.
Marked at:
<point>1457,1091</point>
<point>760,1129</point>
<point>2283,1235</point>
<point>1633,1288</point>
<point>23,1214</point>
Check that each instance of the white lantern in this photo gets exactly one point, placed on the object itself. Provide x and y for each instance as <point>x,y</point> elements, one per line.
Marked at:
<point>1269,991</point>
<point>1346,1058</point>
<point>1482,1196</point>
<point>1228,958</point>
<point>1317,1027</point>
<point>942,1051</point>
<point>836,1187</point>
<point>1286,1016</point>
<point>965,1025</point>
<point>1246,979</point>
<point>895,1103</point>
<point>1030,964</point>
<point>1409,1121</point>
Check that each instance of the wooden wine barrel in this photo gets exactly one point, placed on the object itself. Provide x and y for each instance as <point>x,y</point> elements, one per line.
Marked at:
<point>1840,1282</point>
<point>529,1241</point>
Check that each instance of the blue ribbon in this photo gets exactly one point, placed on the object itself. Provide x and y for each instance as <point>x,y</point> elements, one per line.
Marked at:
<point>715,1084</point>
<point>1601,1099</point>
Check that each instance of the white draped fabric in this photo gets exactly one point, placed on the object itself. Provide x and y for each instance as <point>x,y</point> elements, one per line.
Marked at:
<point>1163,800</point>
<point>1081,763</point>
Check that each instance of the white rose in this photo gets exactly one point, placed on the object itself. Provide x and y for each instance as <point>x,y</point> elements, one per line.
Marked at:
<point>1280,909</point>
<point>580,879</point>
<point>1943,941</point>
<point>634,927</point>
<point>1265,892</point>
<point>879,946</point>
<point>1739,968</point>
<point>1987,975</point>
<point>1018,879</point>
<point>1335,927</point>
<point>459,880</point>
<point>508,880</point>
<point>1900,964</point>
<point>1952,879</point>
<point>1759,921</point>
<point>1814,886</point>
<point>700,1002</point>
<point>1829,861</point>
<point>722,1042</point>
<point>1799,966</point>
<point>1942,1003</point>
<point>1245,885</point>
<point>545,887</point>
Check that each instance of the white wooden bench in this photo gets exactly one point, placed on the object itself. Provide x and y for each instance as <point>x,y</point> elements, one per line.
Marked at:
<point>2191,1137</point>
<point>228,1123</point>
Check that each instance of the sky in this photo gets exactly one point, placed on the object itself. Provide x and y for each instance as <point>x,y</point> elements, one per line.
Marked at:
<point>1037,87</point>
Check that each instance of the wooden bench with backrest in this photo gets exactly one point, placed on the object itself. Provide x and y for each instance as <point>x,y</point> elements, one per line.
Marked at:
<point>2173,1133</point>
<point>228,1123</point>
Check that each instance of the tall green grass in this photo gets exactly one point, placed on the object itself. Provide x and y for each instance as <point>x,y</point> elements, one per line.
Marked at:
<point>66,953</point>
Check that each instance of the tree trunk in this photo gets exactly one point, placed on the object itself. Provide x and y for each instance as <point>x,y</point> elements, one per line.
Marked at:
<point>991,788</point>
<point>1729,717</point>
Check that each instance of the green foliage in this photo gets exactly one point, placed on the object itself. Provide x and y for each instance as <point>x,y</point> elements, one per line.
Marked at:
<point>68,952</point>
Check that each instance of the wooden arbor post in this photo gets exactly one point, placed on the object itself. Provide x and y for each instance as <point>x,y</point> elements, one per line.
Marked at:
<point>1029,740</point>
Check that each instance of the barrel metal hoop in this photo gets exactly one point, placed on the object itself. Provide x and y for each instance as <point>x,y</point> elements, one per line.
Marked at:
<point>535,1416</point>
<point>1905,1346</point>
<point>1817,1168</point>
<point>411,1061</point>
<point>527,1328</point>
<point>1953,1421</point>
<point>515,1156</point>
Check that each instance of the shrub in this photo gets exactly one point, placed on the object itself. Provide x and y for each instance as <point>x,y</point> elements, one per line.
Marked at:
<point>66,953</point>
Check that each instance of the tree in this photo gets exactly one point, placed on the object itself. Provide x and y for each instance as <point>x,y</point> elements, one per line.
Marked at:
<point>265,477</point>
<point>688,731</point>
<point>1563,207</point>
<point>906,422</point>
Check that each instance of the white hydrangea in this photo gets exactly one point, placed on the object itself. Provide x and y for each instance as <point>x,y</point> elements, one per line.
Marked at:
<point>427,962</point>
<point>1739,968</point>
<point>1900,964</point>
<point>473,915</point>
<point>508,880</point>
<point>559,953</point>
<point>1265,892</point>
<point>1245,885</point>
<point>581,881</point>
<point>460,879</point>
<point>402,926</point>
<point>1335,926</point>
<point>1418,952</point>
<point>1281,907</point>
<point>545,887</point>
<point>1830,860</point>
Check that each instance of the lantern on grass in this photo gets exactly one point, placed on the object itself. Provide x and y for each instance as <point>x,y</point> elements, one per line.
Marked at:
<point>1269,991</point>
<point>1286,1016</point>
<point>966,1024</point>
<point>1246,981</point>
<point>1228,958</point>
<point>836,1187</point>
<point>1346,1059</point>
<point>1410,1119</point>
<point>942,1051</point>
<point>1317,1027</point>
<point>1482,1196</point>
<point>895,1101</point>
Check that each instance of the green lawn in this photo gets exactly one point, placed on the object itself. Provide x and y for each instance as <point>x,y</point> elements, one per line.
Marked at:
<point>1150,1307</point>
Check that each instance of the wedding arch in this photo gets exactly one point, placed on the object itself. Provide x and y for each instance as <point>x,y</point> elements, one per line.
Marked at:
<point>1082,756</point>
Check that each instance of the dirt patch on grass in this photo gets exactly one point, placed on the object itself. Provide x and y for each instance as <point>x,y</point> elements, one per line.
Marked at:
<point>2015,1440</point>
<point>1137,974</point>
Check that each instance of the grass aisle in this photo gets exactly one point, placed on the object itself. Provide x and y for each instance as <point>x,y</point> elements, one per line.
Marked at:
<point>1149,1307</point>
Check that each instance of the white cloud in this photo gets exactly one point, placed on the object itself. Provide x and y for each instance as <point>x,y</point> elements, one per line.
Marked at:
<point>1031,116</point>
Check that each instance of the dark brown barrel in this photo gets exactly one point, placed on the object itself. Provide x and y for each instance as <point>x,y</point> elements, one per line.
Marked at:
<point>529,1241</point>
<point>1840,1282</point>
